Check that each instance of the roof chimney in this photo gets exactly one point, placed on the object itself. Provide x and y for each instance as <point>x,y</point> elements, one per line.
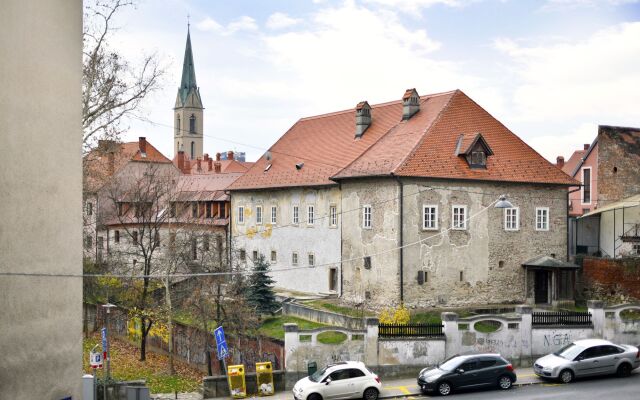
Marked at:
<point>218,166</point>
<point>586,146</point>
<point>210,164</point>
<point>142,143</point>
<point>217,156</point>
<point>199,161</point>
<point>410,103</point>
<point>560,161</point>
<point>206,156</point>
<point>181,160</point>
<point>363,118</point>
<point>111,163</point>
<point>230,155</point>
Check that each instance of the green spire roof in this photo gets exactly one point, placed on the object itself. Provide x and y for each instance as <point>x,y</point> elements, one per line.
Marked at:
<point>188,72</point>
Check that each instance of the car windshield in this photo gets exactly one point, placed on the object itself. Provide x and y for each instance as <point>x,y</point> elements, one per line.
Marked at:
<point>569,351</point>
<point>450,364</point>
<point>317,375</point>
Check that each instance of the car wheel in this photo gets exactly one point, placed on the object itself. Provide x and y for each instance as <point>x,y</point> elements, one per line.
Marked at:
<point>624,370</point>
<point>566,376</point>
<point>504,382</point>
<point>370,394</point>
<point>444,388</point>
<point>314,396</point>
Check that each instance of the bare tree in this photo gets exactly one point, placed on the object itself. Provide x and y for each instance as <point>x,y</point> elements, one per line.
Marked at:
<point>111,88</point>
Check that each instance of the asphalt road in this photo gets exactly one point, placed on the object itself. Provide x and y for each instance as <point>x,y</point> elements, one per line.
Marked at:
<point>583,389</point>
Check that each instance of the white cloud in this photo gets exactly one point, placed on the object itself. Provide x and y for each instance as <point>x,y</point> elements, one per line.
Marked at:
<point>552,5</point>
<point>208,24</point>
<point>416,5</point>
<point>243,23</point>
<point>280,20</point>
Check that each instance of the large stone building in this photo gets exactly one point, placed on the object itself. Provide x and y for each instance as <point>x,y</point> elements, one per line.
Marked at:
<point>41,196</point>
<point>394,203</point>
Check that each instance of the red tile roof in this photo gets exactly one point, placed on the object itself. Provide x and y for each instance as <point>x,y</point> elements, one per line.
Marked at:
<point>423,145</point>
<point>570,164</point>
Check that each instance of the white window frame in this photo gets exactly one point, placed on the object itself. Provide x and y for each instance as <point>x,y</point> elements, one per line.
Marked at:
<point>311,214</point>
<point>435,217</point>
<point>517,219</point>
<point>274,260</point>
<point>295,214</point>
<point>453,217</point>
<point>240,214</point>
<point>590,186</point>
<point>539,225</point>
<point>259,215</point>
<point>311,259</point>
<point>333,216</point>
<point>367,216</point>
<point>294,258</point>
<point>274,215</point>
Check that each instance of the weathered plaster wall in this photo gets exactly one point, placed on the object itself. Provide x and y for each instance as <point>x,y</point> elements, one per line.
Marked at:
<point>488,257</point>
<point>619,330</point>
<point>410,352</point>
<point>41,199</point>
<point>548,340</point>
<point>284,237</point>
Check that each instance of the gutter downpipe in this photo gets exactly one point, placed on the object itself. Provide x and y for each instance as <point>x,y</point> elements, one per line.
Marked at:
<point>569,227</point>
<point>341,224</point>
<point>401,211</point>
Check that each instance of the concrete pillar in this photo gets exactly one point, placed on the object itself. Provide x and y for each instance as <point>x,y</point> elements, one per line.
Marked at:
<point>371,341</point>
<point>451,332</point>
<point>526,339</point>
<point>291,342</point>
<point>596,308</point>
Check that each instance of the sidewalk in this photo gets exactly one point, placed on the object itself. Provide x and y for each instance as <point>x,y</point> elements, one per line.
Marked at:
<point>394,388</point>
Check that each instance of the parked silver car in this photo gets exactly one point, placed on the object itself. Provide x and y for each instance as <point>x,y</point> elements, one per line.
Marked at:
<point>588,357</point>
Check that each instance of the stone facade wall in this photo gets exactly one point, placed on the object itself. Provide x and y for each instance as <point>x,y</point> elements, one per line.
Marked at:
<point>613,276</point>
<point>618,163</point>
<point>479,265</point>
<point>320,239</point>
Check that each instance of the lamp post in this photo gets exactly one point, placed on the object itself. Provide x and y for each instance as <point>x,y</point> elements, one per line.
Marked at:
<point>108,308</point>
<point>503,202</point>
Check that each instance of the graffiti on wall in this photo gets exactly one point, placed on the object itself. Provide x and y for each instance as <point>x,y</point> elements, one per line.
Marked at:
<point>558,339</point>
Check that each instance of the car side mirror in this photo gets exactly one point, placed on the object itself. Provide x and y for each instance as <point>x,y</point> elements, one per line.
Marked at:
<point>579,358</point>
<point>460,370</point>
<point>327,381</point>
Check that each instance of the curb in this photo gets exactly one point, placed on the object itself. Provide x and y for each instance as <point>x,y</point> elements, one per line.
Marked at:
<point>403,395</point>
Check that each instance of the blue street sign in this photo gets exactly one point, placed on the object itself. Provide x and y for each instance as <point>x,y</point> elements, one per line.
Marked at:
<point>104,339</point>
<point>221,343</point>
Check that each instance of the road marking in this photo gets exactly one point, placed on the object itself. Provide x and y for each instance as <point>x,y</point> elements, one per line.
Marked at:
<point>526,375</point>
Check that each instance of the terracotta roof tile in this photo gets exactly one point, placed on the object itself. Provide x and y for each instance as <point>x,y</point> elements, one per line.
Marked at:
<point>571,163</point>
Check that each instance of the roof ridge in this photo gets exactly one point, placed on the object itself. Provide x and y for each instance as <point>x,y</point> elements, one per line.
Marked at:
<point>387,103</point>
<point>426,132</point>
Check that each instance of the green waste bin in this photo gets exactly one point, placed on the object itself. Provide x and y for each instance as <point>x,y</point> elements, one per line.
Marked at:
<point>312,367</point>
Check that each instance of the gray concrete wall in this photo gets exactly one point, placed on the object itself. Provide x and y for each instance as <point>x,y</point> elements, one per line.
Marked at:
<point>41,198</point>
<point>488,256</point>
<point>324,317</point>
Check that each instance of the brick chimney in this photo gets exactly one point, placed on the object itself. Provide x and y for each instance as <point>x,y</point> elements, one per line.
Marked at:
<point>142,144</point>
<point>410,103</point>
<point>218,156</point>
<point>181,160</point>
<point>218,167</point>
<point>199,161</point>
<point>230,155</point>
<point>586,146</point>
<point>210,164</point>
<point>363,118</point>
<point>559,161</point>
<point>111,163</point>
<point>206,156</point>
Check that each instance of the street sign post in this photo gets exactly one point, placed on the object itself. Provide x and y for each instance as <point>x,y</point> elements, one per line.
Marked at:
<point>221,343</point>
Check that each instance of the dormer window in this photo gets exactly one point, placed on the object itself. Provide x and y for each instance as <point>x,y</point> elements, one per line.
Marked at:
<point>192,124</point>
<point>478,159</point>
<point>475,150</point>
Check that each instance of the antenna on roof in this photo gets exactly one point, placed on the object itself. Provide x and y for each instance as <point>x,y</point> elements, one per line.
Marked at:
<point>299,166</point>
<point>267,155</point>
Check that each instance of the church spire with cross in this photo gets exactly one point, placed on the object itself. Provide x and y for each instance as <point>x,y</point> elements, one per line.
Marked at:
<point>188,109</point>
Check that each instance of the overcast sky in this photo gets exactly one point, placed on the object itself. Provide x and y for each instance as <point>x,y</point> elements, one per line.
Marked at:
<point>551,71</point>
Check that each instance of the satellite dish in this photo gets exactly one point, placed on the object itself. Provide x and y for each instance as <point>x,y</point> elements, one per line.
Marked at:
<point>267,155</point>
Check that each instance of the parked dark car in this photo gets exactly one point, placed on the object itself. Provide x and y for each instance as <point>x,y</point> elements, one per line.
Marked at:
<point>466,372</point>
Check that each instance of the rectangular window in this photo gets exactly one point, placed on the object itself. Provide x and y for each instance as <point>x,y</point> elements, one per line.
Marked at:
<point>296,215</point>
<point>542,218</point>
<point>274,257</point>
<point>194,248</point>
<point>459,217</point>
<point>208,208</point>
<point>333,216</point>
<point>100,242</point>
<point>172,239</point>
<point>366,217</point>
<point>172,210</point>
<point>243,255</point>
<point>89,208</point>
<point>511,219</point>
<point>255,256</point>
<point>156,239</point>
<point>274,215</point>
<point>310,215</point>
<point>294,258</point>
<point>116,236</point>
<point>241,215</point>
<point>259,215</point>
<point>312,260</point>
<point>205,243</point>
<point>636,250</point>
<point>430,217</point>
<point>194,210</point>
<point>134,237</point>
<point>367,262</point>
<point>586,185</point>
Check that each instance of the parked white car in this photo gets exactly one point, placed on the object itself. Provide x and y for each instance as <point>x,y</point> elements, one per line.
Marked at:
<point>343,380</point>
<point>588,357</point>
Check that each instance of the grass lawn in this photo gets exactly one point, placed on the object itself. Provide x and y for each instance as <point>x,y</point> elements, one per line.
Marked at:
<point>348,311</point>
<point>487,326</point>
<point>630,315</point>
<point>125,366</point>
<point>272,327</point>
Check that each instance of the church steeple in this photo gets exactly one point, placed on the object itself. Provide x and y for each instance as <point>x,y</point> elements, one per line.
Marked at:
<point>188,109</point>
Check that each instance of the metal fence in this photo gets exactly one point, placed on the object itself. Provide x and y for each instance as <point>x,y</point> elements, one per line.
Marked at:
<point>415,330</point>
<point>562,318</point>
